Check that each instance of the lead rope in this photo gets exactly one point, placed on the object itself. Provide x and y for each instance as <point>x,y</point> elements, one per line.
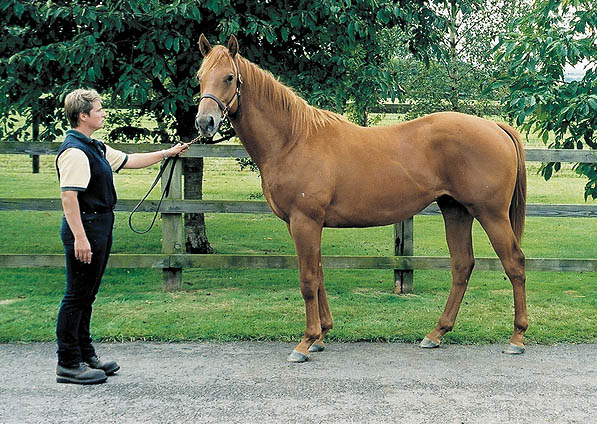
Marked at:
<point>225,110</point>
<point>165,192</point>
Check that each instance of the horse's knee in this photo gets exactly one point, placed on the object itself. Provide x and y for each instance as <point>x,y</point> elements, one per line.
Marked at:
<point>461,271</point>
<point>309,290</point>
<point>309,285</point>
<point>517,276</point>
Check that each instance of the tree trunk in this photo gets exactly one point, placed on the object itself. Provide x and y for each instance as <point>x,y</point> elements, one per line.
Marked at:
<point>453,60</point>
<point>195,235</point>
<point>35,137</point>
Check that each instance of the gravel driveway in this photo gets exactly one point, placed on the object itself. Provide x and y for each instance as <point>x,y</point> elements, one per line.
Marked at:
<point>251,382</point>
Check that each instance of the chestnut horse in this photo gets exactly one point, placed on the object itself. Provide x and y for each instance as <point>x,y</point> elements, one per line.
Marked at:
<point>319,170</point>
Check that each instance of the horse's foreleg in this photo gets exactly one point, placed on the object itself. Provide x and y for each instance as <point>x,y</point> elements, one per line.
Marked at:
<point>306,234</point>
<point>458,223</point>
<point>508,250</point>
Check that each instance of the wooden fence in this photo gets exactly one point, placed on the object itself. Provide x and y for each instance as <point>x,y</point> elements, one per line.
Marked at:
<point>173,260</point>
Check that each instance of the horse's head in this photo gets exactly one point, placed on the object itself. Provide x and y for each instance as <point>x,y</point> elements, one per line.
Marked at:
<point>220,82</point>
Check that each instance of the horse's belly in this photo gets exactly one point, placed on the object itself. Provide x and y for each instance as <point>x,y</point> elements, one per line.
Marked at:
<point>369,209</point>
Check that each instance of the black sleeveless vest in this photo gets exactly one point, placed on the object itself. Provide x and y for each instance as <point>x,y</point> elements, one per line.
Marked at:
<point>100,194</point>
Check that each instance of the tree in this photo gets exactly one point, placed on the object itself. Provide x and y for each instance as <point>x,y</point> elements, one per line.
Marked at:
<point>462,62</point>
<point>131,51</point>
<point>553,35</point>
<point>143,53</point>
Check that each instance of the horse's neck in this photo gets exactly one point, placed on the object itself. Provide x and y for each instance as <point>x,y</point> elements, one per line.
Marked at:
<point>264,132</point>
<point>264,128</point>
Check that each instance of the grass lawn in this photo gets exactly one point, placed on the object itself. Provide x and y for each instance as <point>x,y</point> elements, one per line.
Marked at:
<point>266,304</point>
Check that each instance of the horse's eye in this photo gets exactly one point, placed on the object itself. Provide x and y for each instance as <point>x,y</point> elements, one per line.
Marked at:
<point>230,78</point>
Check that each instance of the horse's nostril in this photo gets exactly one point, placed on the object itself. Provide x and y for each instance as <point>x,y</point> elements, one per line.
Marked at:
<point>205,123</point>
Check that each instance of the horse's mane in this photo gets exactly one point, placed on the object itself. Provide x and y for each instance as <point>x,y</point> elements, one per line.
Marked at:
<point>305,118</point>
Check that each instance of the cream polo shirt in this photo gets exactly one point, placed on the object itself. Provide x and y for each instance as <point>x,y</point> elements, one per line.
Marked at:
<point>74,169</point>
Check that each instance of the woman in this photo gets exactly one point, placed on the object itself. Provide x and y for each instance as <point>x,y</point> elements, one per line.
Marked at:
<point>85,168</point>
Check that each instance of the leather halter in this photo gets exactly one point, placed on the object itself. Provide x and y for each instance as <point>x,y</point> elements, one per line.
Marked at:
<point>225,108</point>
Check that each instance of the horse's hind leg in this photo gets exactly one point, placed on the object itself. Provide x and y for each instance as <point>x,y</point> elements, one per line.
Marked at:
<point>508,250</point>
<point>325,315</point>
<point>458,222</point>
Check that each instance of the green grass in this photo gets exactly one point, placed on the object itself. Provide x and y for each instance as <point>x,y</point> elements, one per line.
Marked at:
<point>266,304</point>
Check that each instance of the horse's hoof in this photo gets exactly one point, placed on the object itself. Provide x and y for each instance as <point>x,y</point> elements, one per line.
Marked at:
<point>513,349</point>
<point>316,348</point>
<point>427,343</point>
<point>297,356</point>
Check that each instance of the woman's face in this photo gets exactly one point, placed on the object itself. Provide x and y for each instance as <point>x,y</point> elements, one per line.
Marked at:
<point>95,119</point>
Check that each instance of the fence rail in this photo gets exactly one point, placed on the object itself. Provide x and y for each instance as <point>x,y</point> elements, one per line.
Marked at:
<point>261,207</point>
<point>400,263</point>
<point>172,261</point>
<point>237,151</point>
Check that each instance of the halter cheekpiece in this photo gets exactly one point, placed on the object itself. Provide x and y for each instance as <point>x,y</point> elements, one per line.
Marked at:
<point>225,108</point>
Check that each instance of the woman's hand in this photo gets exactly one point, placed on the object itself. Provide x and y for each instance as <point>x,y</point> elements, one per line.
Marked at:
<point>178,149</point>
<point>83,250</point>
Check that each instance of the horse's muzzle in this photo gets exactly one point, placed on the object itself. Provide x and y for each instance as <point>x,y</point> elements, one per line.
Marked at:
<point>207,124</point>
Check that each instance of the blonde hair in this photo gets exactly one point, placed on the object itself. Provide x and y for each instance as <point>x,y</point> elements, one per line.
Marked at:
<point>79,101</point>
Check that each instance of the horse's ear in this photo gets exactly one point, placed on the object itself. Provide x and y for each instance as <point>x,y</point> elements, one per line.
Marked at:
<point>204,45</point>
<point>233,45</point>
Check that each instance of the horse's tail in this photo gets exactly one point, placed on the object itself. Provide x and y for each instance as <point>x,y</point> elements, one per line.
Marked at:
<point>519,198</point>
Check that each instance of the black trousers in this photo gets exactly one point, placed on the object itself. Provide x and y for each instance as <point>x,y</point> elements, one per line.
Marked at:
<point>82,284</point>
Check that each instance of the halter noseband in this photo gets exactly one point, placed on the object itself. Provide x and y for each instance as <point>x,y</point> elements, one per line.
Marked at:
<point>225,108</point>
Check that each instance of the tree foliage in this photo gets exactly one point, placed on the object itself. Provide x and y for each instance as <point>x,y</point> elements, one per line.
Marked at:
<point>143,52</point>
<point>541,44</point>
<point>461,65</point>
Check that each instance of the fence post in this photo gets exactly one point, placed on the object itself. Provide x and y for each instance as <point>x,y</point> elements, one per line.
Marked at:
<point>172,228</point>
<point>403,246</point>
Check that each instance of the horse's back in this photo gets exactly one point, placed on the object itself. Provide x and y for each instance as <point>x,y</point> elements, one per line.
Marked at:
<point>442,146</point>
